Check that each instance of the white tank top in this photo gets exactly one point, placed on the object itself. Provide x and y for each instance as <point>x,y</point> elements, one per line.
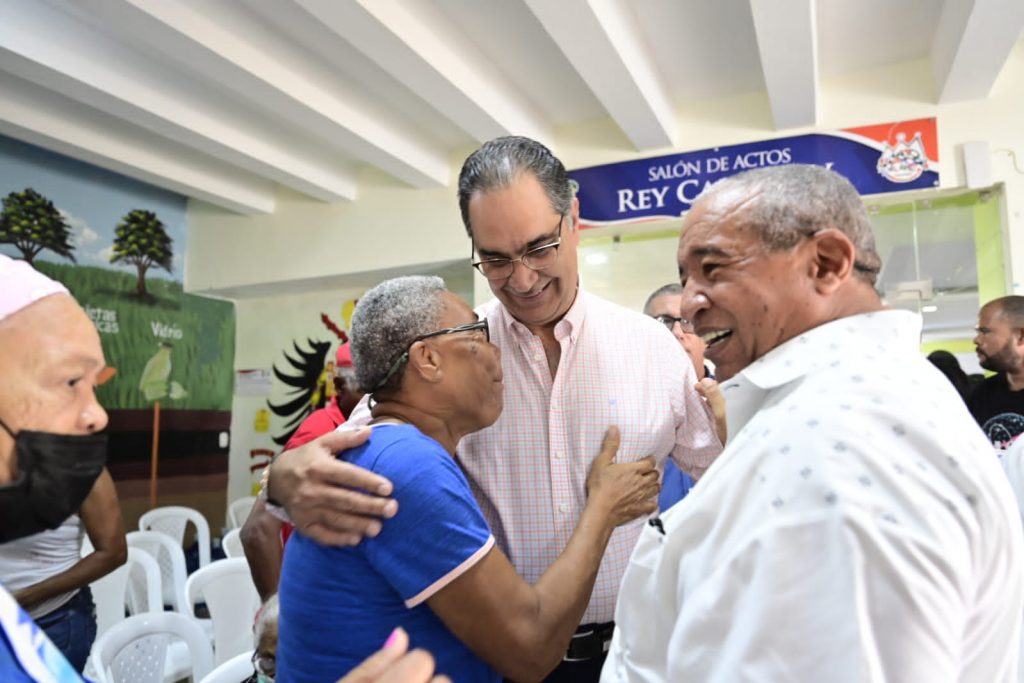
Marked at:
<point>30,560</point>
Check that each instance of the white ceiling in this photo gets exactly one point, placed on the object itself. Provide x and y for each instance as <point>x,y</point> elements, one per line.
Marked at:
<point>223,100</point>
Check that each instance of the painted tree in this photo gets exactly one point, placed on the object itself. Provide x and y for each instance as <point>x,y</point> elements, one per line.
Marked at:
<point>32,223</point>
<point>140,240</point>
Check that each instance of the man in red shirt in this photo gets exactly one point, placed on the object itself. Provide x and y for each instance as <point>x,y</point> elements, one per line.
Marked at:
<point>263,535</point>
<point>346,396</point>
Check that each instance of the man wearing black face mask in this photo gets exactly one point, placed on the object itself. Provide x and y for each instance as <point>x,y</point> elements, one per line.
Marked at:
<point>51,452</point>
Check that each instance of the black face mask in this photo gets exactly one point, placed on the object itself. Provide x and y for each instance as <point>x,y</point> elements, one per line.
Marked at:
<point>55,474</point>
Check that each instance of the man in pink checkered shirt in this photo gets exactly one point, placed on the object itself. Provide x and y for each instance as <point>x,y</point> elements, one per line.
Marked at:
<point>574,364</point>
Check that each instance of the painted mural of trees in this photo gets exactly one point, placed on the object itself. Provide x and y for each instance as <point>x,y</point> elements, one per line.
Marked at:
<point>32,223</point>
<point>140,240</point>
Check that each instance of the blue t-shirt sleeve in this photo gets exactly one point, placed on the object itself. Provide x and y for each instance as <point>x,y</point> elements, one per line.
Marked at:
<point>439,531</point>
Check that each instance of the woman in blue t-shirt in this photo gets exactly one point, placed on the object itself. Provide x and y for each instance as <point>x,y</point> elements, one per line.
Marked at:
<point>433,569</point>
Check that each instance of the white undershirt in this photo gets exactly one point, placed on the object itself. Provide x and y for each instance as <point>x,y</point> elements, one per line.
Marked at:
<point>33,559</point>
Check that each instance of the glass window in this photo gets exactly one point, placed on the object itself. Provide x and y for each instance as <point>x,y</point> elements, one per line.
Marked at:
<point>943,257</point>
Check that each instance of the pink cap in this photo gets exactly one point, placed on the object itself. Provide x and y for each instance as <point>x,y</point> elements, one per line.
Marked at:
<point>22,285</point>
<point>343,356</point>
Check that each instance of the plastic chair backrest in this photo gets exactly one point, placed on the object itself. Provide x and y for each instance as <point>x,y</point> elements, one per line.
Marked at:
<point>171,559</point>
<point>135,650</point>
<point>227,589</point>
<point>236,669</point>
<point>145,585</point>
<point>238,511</point>
<point>135,585</point>
<point>109,593</point>
<point>172,520</point>
<point>232,543</point>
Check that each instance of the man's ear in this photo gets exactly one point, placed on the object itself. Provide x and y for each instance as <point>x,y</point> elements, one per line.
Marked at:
<point>1018,336</point>
<point>572,222</point>
<point>832,259</point>
<point>425,361</point>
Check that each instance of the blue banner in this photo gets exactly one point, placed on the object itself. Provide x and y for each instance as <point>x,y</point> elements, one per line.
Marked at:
<point>882,158</point>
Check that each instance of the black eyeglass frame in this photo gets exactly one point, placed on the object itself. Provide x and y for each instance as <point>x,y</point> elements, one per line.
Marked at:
<point>511,262</point>
<point>404,357</point>
<point>670,321</point>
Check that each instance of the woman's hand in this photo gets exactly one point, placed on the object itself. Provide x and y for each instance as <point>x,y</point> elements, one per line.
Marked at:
<point>394,664</point>
<point>622,491</point>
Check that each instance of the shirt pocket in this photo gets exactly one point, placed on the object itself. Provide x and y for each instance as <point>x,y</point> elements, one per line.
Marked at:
<point>642,411</point>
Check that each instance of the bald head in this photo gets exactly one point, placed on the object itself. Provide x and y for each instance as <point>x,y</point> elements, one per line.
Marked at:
<point>1009,307</point>
<point>999,341</point>
<point>51,360</point>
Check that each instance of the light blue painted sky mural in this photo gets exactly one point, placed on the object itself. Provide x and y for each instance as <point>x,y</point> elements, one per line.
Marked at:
<point>93,200</point>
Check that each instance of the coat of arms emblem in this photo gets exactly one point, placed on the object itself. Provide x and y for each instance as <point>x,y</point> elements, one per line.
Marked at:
<point>903,162</point>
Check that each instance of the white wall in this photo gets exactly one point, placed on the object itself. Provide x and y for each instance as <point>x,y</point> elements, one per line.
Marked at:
<point>389,226</point>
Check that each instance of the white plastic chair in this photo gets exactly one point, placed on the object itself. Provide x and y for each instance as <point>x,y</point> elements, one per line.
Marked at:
<point>236,669</point>
<point>135,651</point>
<point>239,511</point>
<point>171,559</point>
<point>135,585</point>
<point>232,543</point>
<point>145,584</point>
<point>172,521</point>
<point>230,595</point>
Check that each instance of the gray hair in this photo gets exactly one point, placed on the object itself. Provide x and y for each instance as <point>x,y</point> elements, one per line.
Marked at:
<point>386,321</point>
<point>665,290</point>
<point>502,161</point>
<point>788,203</point>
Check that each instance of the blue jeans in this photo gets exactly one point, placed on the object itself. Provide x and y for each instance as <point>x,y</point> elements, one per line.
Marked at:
<point>72,627</point>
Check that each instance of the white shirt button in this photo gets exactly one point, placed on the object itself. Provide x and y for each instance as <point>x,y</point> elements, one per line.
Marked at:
<point>563,507</point>
<point>558,455</point>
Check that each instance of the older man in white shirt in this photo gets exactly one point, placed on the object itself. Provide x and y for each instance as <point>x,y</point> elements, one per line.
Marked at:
<point>857,526</point>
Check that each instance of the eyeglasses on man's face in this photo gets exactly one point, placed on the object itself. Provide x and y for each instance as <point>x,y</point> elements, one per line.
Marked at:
<point>478,326</point>
<point>537,258</point>
<point>670,321</point>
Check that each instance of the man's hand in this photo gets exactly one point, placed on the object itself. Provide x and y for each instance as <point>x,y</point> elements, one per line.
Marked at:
<point>331,501</point>
<point>391,664</point>
<point>624,491</point>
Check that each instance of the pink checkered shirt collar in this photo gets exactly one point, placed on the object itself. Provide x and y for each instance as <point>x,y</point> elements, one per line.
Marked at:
<point>571,324</point>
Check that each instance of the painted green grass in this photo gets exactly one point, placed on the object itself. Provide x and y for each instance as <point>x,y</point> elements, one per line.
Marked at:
<point>201,361</point>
